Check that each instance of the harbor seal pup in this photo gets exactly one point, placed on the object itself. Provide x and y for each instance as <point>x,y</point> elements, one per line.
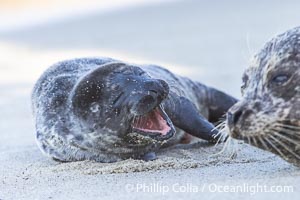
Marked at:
<point>107,110</point>
<point>268,116</point>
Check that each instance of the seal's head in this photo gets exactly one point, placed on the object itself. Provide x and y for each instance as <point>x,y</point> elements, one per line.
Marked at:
<point>122,105</point>
<point>268,116</point>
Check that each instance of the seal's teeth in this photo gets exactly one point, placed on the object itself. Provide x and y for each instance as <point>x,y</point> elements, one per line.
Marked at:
<point>153,122</point>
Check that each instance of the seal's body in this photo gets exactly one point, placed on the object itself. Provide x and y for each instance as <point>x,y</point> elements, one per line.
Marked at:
<point>106,110</point>
<point>269,114</point>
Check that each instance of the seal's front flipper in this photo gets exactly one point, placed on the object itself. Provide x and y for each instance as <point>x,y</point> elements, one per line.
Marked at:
<point>185,116</point>
<point>218,104</point>
<point>149,156</point>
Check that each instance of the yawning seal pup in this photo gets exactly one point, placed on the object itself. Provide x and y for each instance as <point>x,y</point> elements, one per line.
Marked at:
<point>106,110</point>
<point>269,114</point>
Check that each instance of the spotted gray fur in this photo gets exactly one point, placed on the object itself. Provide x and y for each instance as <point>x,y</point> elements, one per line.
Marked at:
<point>66,134</point>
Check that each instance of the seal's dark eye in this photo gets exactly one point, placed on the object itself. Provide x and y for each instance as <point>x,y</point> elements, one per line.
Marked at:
<point>243,86</point>
<point>280,79</point>
<point>245,82</point>
<point>140,72</point>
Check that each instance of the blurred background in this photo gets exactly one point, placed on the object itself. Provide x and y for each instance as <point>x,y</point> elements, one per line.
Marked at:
<point>208,41</point>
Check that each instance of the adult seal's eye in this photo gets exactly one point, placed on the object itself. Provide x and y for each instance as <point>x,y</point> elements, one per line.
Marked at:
<point>245,83</point>
<point>243,86</point>
<point>280,79</point>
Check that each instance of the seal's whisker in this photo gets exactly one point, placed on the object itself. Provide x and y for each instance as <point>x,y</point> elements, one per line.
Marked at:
<point>217,135</point>
<point>234,149</point>
<point>294,129</point>
<point>290,135</point>
<point>248,139</point>
<point>262,141</point>
<point>221,125</point>
<point>284,137</point>
<point>284,146</point>
<point>287,120</point>
<point>229,148</point>
<point>223,149</point>
<point>219,139</point>
<point>275,148</point>
<point>255,141</point>
<point>221,121</point>
<point>288,131</point>
<point>287,126</point>
<point>222,134</point>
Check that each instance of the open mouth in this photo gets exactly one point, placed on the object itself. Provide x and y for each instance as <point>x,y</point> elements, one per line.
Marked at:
<point>156,124</point>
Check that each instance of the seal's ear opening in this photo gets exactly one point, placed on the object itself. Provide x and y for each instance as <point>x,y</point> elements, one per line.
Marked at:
<point>89,88</point>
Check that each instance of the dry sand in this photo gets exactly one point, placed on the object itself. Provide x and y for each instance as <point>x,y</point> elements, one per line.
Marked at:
<point>205,41</point>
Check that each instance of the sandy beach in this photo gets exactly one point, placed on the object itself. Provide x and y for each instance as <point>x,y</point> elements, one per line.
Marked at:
<point>211,42</point>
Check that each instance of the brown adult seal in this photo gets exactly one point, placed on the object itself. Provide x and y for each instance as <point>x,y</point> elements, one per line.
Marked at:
<point>268,116</point>
<point>107,110</point>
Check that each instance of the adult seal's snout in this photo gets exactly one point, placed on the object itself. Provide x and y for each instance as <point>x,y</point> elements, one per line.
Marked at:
<point>235,117</point>
<point>235,113</point>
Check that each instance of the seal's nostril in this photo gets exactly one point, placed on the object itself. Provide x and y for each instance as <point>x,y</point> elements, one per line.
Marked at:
<point>165,85</point>
<point>233,117</point>
<point>153,91</point>
<point>165,88</point>
<point>236,116</point>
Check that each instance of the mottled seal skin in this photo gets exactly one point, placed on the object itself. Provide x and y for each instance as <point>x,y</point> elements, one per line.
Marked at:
<point>268,116</point>
<point>106,110</point>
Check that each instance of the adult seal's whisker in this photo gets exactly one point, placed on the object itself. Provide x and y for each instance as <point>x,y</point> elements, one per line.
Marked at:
<point>279,135</point>
<point>287,148</point>
<point>262,141</point>
<point>296,128</point>
<point>277,150</point>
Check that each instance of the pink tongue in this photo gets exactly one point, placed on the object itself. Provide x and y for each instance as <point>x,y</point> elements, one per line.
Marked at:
<point>153,122</point>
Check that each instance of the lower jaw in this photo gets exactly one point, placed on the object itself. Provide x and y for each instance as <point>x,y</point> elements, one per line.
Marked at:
<point>136,138</point>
